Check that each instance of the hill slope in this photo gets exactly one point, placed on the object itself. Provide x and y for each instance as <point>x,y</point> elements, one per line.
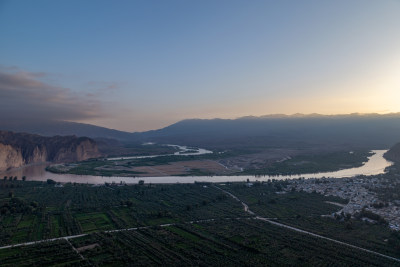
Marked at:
<point>52,128</point>
<point>394,153</point>
<point>372,131</point>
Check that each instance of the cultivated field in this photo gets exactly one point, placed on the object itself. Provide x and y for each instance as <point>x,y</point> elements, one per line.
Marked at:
<point>181,224</point>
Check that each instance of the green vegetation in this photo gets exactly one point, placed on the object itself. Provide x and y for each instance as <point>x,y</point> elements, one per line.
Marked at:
<point>371,236</point>
<point>134,149</point>
<point>58,253</point>
<point>298,165</point>
<point>304,210</point>
<point>215,243</point>
<point>180,224</point>
<point>264,201</point>
<point>314,163</point>
<point>123,167</point>
<point>37,210</point>
<point>95,167</point>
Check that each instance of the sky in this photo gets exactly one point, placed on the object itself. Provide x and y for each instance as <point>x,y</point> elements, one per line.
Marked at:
<point>145,64</point>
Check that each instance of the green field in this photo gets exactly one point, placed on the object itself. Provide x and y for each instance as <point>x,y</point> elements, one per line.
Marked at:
<point>180,224</point>
<point>38,210</point>
<point>235,242</point>
<point>315,163</point>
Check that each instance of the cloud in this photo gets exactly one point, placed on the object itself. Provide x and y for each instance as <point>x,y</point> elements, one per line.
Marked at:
<point>102,87</point>
<point>24,96</point>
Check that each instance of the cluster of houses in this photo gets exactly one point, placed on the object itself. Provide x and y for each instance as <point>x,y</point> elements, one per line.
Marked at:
<point>358,191</point>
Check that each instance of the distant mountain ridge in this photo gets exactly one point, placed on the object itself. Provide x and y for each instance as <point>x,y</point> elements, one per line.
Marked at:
<point>64,128</point>
<point>317,115</point>
<point>365,130</point>
<point>18,149</point>
<point>359,130</point>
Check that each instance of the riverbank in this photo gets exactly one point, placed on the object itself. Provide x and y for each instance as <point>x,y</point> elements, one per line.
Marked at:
<point>374,166</point>
<point>206,163</point>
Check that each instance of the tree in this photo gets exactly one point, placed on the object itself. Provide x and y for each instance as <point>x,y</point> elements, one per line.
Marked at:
<point>4,211</point>
<point>23,178</point>
<point>141,182</point>
<point>50,181</point>
<point>129,203</point>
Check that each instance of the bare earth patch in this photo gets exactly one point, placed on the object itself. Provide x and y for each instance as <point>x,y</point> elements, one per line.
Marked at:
<point>183,168</point>
<point>92,246</point>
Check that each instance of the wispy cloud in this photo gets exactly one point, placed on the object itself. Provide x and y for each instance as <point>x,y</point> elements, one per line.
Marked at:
<point>23,95</point>
<point>103,87</point>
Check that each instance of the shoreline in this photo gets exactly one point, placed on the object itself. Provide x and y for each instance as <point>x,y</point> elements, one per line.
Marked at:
<point>376,165</point>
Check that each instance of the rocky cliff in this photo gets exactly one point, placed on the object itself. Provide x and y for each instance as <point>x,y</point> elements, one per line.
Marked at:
<point>18,149</point>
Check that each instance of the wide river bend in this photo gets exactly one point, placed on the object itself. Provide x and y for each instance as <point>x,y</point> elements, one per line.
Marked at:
<point>374,166</point>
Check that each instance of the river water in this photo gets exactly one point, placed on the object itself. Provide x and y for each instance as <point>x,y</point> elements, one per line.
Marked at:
<point>375,165</point>
<point>182,151</point>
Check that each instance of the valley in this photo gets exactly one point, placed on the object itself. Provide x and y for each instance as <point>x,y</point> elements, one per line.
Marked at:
<point>202,162</point>
<point>199,133</point>
<point>150,207</point>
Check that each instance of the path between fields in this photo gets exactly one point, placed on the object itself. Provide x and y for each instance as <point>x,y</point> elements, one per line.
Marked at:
<point>67,238</point>
<point>336,204</point>
<point>246,209</point>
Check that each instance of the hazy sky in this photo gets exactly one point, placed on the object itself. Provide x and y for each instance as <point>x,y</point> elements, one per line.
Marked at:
<point>139,65</point>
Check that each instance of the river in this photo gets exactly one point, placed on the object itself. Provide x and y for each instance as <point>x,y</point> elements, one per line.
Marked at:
<point>182,151</point>
<point>376,164</point>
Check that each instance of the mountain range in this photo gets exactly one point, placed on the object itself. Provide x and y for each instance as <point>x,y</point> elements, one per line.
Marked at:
<point>356,130</point>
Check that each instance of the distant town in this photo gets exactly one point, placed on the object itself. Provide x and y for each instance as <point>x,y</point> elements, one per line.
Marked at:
<point>361,193</point>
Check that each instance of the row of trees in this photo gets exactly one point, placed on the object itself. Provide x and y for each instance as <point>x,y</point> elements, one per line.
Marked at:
<point>13,178</point>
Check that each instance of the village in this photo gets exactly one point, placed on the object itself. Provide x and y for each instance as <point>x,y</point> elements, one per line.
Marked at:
<point>361,193</point>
